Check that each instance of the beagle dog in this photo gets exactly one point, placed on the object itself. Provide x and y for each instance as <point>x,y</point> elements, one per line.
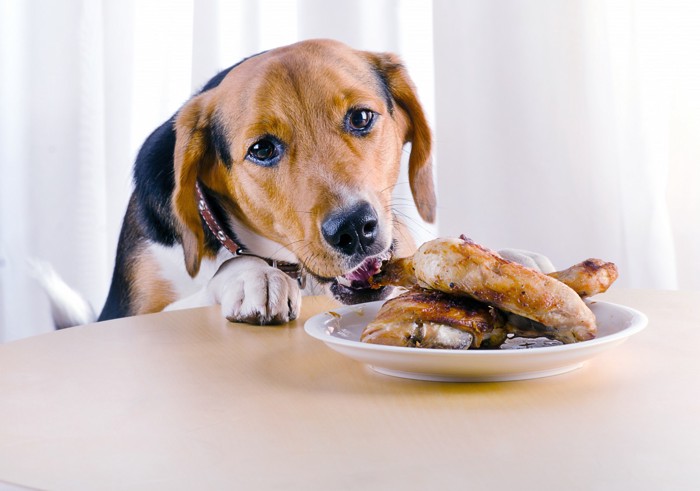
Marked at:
<point>280,169</point>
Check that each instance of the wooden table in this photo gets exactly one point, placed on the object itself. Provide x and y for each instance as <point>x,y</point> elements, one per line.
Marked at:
<point>186,400</point>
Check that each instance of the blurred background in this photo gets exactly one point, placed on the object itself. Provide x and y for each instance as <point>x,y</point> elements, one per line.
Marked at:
<point>568,128</point>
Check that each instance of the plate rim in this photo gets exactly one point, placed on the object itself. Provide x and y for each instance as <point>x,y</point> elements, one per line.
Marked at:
<point>639,323</point>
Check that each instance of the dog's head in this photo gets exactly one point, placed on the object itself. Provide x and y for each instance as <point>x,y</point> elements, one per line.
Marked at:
<point>301,146</point>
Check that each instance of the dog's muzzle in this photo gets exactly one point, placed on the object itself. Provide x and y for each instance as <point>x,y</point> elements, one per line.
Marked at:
<point>353,231</point>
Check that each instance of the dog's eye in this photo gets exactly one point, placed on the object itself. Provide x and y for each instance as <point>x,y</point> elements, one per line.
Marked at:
<point>359,121</point>
<point>266,151</point>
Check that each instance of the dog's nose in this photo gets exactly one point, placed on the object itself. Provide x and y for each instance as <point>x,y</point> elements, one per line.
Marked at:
<point>351,230</point>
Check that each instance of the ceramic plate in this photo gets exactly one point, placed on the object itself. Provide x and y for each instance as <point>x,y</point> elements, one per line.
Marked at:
<point>340,329</point>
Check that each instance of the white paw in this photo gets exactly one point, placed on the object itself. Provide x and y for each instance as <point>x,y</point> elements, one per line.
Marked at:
<point>250,291</point>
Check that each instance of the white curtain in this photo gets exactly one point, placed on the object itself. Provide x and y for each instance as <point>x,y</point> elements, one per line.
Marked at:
<point>573,129</point>
<point>569,128</point>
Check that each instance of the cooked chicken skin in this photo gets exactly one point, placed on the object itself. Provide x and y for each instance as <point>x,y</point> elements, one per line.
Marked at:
<point>423,318</point>
<point>586,278</point>
<point>395,272</point>
<point>462,267</point>
<point>433,319</point>
<point>589,277</point>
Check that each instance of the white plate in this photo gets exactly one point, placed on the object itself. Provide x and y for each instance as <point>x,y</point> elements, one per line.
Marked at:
<point>340,329</point>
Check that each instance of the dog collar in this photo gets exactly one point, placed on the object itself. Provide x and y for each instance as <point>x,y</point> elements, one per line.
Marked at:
<point>291,269</point>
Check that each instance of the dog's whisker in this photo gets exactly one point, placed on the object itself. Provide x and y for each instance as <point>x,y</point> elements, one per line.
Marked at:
<point>388,189</point>
<point>308,259</point>
<point>411,224</point>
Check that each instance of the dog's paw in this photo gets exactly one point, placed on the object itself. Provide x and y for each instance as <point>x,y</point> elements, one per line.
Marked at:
<point>250,291</point>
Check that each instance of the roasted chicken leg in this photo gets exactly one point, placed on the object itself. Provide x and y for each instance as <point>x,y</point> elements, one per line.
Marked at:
<point>432,319</point>
<point>589,277</point>
<point>462,267</point>
<point>423,318</point>
<point>586,278</point>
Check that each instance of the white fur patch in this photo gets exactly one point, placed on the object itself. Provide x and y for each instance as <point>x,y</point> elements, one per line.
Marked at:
<point>262,246</point>
<point>171,261</point>
<point>251,291</point>
<point>68,307</point>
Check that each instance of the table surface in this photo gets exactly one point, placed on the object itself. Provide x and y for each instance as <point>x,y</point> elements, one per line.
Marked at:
<point>187,400</point>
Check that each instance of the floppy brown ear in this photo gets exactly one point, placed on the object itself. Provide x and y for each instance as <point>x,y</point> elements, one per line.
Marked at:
<point>192,152</point>
<point>420,168</point>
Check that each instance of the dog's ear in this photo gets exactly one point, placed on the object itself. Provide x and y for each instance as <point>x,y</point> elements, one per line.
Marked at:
<point>193,153</point>
<point>400,88</point>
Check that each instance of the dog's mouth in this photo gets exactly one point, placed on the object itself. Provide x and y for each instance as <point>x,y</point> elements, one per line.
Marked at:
<point>353,287</point>
<point>359,277</point>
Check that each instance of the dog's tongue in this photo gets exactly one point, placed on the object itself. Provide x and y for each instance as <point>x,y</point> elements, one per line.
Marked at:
<point>359,277</point>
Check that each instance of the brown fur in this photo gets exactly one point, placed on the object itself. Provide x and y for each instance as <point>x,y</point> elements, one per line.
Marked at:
<point>300,94</point>
<point>150,292</point>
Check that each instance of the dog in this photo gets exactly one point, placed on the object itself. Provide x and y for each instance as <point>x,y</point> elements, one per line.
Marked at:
<point>279,170</point>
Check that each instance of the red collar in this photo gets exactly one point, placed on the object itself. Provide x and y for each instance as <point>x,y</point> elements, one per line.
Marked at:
<point>292,269</point>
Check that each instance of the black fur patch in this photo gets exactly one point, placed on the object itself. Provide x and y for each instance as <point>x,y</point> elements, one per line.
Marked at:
<point>218,78</point>
<point>154,182</point>
<point>119,297</point>
<point>220,142</point>
<point>386,88</point>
